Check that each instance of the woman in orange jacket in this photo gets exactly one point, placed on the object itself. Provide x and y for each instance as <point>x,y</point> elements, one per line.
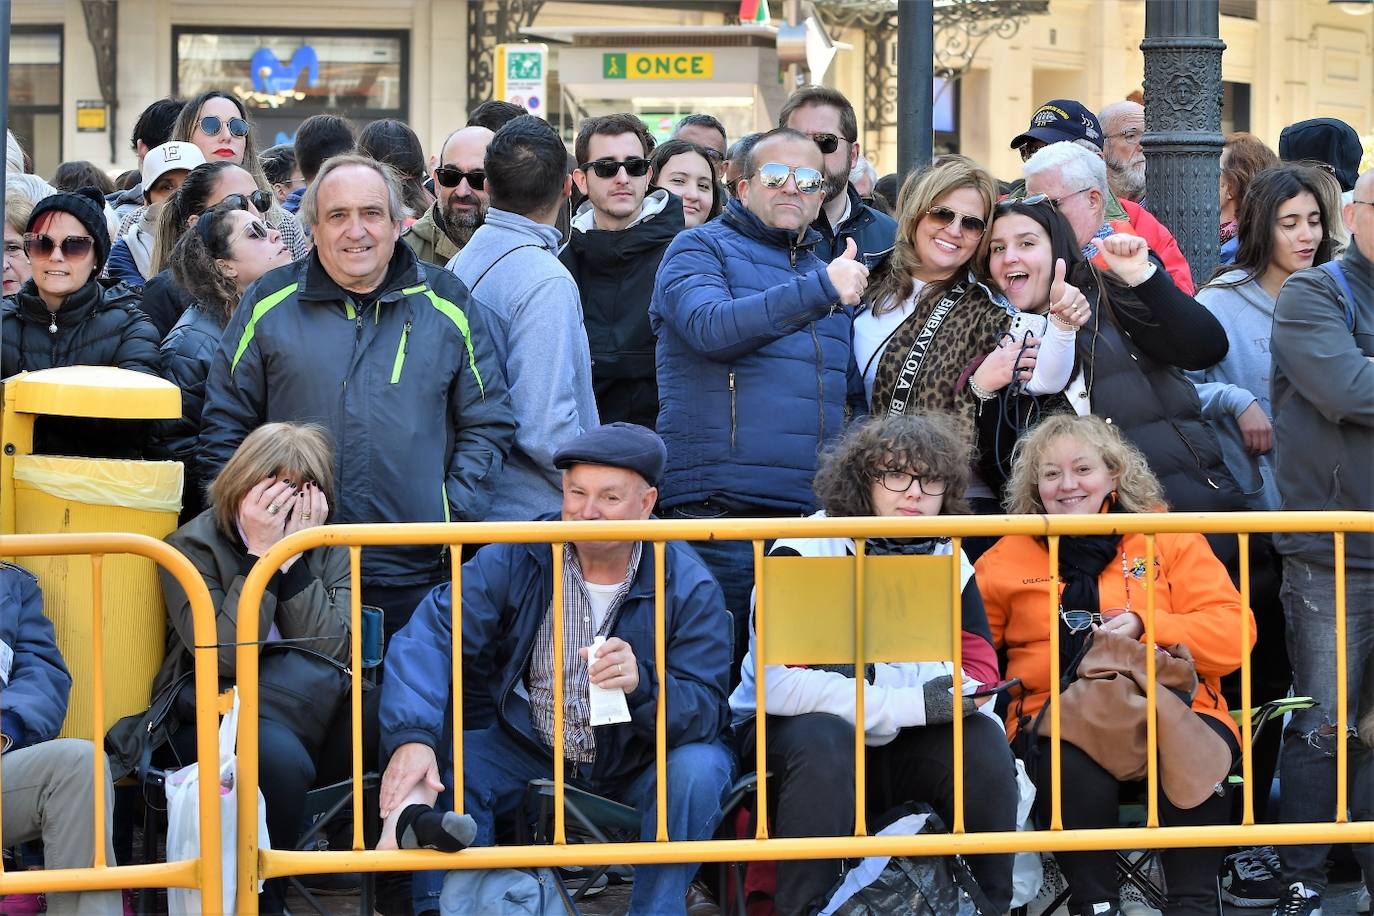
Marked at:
<point>1080,465</point>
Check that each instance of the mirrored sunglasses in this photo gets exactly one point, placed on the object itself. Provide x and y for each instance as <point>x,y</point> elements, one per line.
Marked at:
<point>775,175</point>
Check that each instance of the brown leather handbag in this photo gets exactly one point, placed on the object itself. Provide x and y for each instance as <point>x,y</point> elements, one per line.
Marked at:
<point>1103,713</point>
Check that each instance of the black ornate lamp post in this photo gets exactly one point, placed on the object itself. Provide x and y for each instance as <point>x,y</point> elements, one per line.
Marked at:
<point>1183,138</point>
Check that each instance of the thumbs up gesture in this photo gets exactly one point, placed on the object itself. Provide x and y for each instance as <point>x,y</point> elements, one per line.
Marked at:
<point>1068,306</point>
<point>848,275</point>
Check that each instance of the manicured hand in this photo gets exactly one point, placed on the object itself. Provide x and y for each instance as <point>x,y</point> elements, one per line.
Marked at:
<point>1067,302</point>
<point>263,514</point>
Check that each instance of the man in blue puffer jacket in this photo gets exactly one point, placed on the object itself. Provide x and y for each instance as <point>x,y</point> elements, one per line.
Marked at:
<point>755,363</point>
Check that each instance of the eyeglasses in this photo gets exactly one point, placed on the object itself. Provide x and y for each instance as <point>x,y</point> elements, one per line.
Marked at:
<point>775,175</point>
<point>1030,148</point>
<point>827,142</point>
<point>901,481</point>
<point>1130,136</point>
<point>1078,621</point>
<point>1059,201</point>
<point>944,217</point>
<point>211,125</point>
<point>254,229</point>
<point>74,247</point>
<point>1367,203</point>
<point>450,176</point>
<point>260,201</point>
<point>635,167</point>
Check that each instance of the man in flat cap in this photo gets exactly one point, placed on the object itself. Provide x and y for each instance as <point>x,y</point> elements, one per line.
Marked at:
<point>610,472</point>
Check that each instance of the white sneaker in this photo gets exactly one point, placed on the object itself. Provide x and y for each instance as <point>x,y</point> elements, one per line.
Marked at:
<point>1362,901</point>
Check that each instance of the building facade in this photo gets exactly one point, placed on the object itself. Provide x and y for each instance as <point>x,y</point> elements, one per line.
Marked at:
<point>427,61</point>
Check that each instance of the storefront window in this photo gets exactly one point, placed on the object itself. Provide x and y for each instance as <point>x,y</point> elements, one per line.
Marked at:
<point>286,76</point>
<point>35,91</point>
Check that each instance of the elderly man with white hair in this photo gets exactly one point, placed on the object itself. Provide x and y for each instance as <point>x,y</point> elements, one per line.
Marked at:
<point>1123,124</point>
<point>1076,180</point>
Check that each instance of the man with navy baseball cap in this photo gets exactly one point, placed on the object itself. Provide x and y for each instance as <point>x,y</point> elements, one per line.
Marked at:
<point>1058,121</point>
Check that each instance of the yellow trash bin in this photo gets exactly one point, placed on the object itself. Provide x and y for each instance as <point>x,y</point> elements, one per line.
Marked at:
<point>48,494</point>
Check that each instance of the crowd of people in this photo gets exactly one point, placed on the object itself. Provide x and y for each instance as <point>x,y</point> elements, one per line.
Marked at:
<point>701,329</point>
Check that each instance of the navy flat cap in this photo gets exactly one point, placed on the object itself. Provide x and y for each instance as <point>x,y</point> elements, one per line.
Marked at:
<point>619,445</point>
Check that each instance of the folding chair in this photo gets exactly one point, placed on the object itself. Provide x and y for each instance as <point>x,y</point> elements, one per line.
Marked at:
<point>323,805</point>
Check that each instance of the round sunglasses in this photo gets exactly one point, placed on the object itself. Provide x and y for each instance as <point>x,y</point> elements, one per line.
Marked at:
<point>944,217</point>
<point>210,125</point>
<point>775,174</point>
<point>635,167</point>
<point>74,247</point>
<point>449,176</point>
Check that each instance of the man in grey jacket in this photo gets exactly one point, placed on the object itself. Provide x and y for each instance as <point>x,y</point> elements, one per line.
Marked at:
<point>531,304</point>
<point>1323,397</point>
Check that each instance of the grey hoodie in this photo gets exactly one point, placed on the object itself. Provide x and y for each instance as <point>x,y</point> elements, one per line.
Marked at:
<point>1227,389</point>
<point>511,268</point>
<point>1324,404</point>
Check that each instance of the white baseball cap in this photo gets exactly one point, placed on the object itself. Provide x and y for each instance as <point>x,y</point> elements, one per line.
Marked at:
<point>169,157</point>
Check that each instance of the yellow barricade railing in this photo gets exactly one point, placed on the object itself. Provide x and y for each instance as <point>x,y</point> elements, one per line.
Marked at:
<point>203,873</point>
<point>255,864</point>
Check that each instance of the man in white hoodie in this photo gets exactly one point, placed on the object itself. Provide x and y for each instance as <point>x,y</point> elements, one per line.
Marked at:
<point>618,238</point>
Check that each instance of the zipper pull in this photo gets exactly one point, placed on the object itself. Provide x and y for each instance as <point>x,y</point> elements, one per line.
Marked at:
<point>52,328</point>
<point>405,338</point>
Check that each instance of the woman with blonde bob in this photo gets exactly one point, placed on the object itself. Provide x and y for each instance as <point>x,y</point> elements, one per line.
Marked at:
<point>279,481</point>
<point>1072,465</point>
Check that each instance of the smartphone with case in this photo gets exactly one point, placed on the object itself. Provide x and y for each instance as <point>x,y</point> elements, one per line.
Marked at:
<point>1023,323</point>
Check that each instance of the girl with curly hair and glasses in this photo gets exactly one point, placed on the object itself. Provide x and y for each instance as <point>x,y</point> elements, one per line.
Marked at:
<point>903,467</point>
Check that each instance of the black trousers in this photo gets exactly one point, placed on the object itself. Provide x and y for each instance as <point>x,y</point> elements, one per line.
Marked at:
<point>1091,799</point>
<point>811,789</point>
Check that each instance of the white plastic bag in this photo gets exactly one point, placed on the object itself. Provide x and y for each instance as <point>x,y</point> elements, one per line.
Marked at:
<point>183,820</point>
<point>1027,873</point>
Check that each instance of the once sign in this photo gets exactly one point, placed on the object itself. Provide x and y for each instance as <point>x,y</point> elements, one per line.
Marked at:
<point>657,65</point>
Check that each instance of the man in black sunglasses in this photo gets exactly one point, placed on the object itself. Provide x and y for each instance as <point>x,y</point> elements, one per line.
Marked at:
<point>460,198</point>
<point>827,117</point>
<point>618,238</point>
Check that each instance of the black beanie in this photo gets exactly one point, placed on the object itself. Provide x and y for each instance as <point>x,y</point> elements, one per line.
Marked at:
<point>1327,140</point>
<point>88,206</point>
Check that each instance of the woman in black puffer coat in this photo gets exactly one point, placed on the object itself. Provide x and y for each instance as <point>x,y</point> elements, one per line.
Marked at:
<point>63,317</point>
<point>215,261</point>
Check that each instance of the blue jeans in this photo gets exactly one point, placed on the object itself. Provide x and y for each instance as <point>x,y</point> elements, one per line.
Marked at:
<point>497,767</point>
<point>1307,763</point>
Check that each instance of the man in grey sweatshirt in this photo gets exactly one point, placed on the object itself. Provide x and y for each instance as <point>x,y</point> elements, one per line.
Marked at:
<point>1323,393</point>
<point>512,271</point>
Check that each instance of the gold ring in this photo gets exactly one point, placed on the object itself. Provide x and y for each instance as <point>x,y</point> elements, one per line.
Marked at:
<point>619,668</point>
<point>273,509</point>
<point>305,515</point>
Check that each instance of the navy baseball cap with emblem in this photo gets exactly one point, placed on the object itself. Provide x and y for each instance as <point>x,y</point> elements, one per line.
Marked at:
<point>618,445</point>
<point>1061,119</point>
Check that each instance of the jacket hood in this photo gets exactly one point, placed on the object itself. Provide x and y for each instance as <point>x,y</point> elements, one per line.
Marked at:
<point>651,231</point>
<point>654,203</point>
<point>742,218</point>
<point>546,235</point>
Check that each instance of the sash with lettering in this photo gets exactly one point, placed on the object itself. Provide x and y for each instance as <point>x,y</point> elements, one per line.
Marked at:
<point>895,381</point>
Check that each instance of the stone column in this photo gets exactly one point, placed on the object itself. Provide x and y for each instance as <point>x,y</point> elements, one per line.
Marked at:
<point>1183,138</point>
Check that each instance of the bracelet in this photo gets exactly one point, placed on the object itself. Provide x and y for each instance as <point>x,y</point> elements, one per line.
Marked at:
<point>1063,325</point>
<point>979,391</point>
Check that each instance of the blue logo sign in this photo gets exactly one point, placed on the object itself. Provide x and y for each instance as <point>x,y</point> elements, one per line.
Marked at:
<point>271,76</point>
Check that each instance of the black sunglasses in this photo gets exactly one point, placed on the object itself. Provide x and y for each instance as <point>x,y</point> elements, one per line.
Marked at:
<point>210,125</point>
<point>260,200</point>
<point>449,176</point>
<point>635,167</point>
<point>74,247</point>
<point>827,142</point>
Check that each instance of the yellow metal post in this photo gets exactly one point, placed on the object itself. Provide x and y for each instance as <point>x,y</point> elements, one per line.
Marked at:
<point>1247,816</point>
<point>956,604</point>
<point>760,716</point>
<point>1151,693</point>
<point>1056,763</point>
<point>456,627</point>
<point>98,700</point>
<point>355,616</point>
<point>560,836</point>
<point>860,766</point>
<point>661,715</point>
<point>1342,685</point>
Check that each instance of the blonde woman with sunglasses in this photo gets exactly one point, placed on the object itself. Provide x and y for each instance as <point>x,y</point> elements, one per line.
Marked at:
<point>63,317</point>
<point>218,258</point>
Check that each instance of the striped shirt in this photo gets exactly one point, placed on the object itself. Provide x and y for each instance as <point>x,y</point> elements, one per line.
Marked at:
<point>579,628</point>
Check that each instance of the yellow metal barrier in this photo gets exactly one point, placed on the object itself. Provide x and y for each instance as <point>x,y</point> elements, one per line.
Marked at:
<point>203,873</point>
<point>255,864</point>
